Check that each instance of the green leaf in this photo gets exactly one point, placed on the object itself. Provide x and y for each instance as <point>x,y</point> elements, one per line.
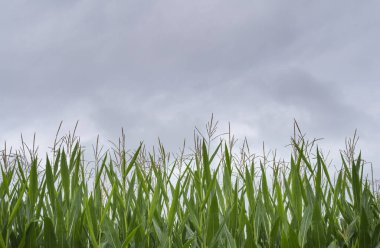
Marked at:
<point>17,205</point>
<point>173,206</point>
<point>76,165</point>
<point>2,242</point>
<point>131,163</point>
<point>33,184</point>
<point>65,177</point>
<point>305,225</point>
<point>50,182</point>
<point>111,234</point>
<point>153,205</point>
<point>73,156</point>
<point>50,239</point>
<point>130,236</point>
<point>29,237</point>
<point>267,198</point>
<point>364,237</point>
<point>296,194</point>
<point>100,171</point>
<point>206,164</point>
<point>250,190</point>
<point>376,235</point>
<point>90,223</point>
<point>356,184</point>
<point>212,219</point>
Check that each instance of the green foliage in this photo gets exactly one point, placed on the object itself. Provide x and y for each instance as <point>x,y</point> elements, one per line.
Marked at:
<point>207,199</point>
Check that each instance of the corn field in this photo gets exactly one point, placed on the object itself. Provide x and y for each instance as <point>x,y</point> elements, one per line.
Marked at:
<point>210,197</point>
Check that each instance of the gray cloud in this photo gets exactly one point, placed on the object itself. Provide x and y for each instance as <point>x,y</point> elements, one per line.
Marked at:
<point>160,68</point>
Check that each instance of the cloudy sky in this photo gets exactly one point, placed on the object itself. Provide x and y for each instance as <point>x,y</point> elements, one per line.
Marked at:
<point>160,68</point>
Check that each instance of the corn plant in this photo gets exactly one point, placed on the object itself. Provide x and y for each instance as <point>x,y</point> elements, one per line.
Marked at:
<point>210,198</point>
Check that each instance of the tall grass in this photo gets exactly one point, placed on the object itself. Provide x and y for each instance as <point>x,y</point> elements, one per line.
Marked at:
<point>211,197</point>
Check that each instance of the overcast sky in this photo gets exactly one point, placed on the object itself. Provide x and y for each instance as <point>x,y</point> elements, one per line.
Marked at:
<point>160,68</point>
